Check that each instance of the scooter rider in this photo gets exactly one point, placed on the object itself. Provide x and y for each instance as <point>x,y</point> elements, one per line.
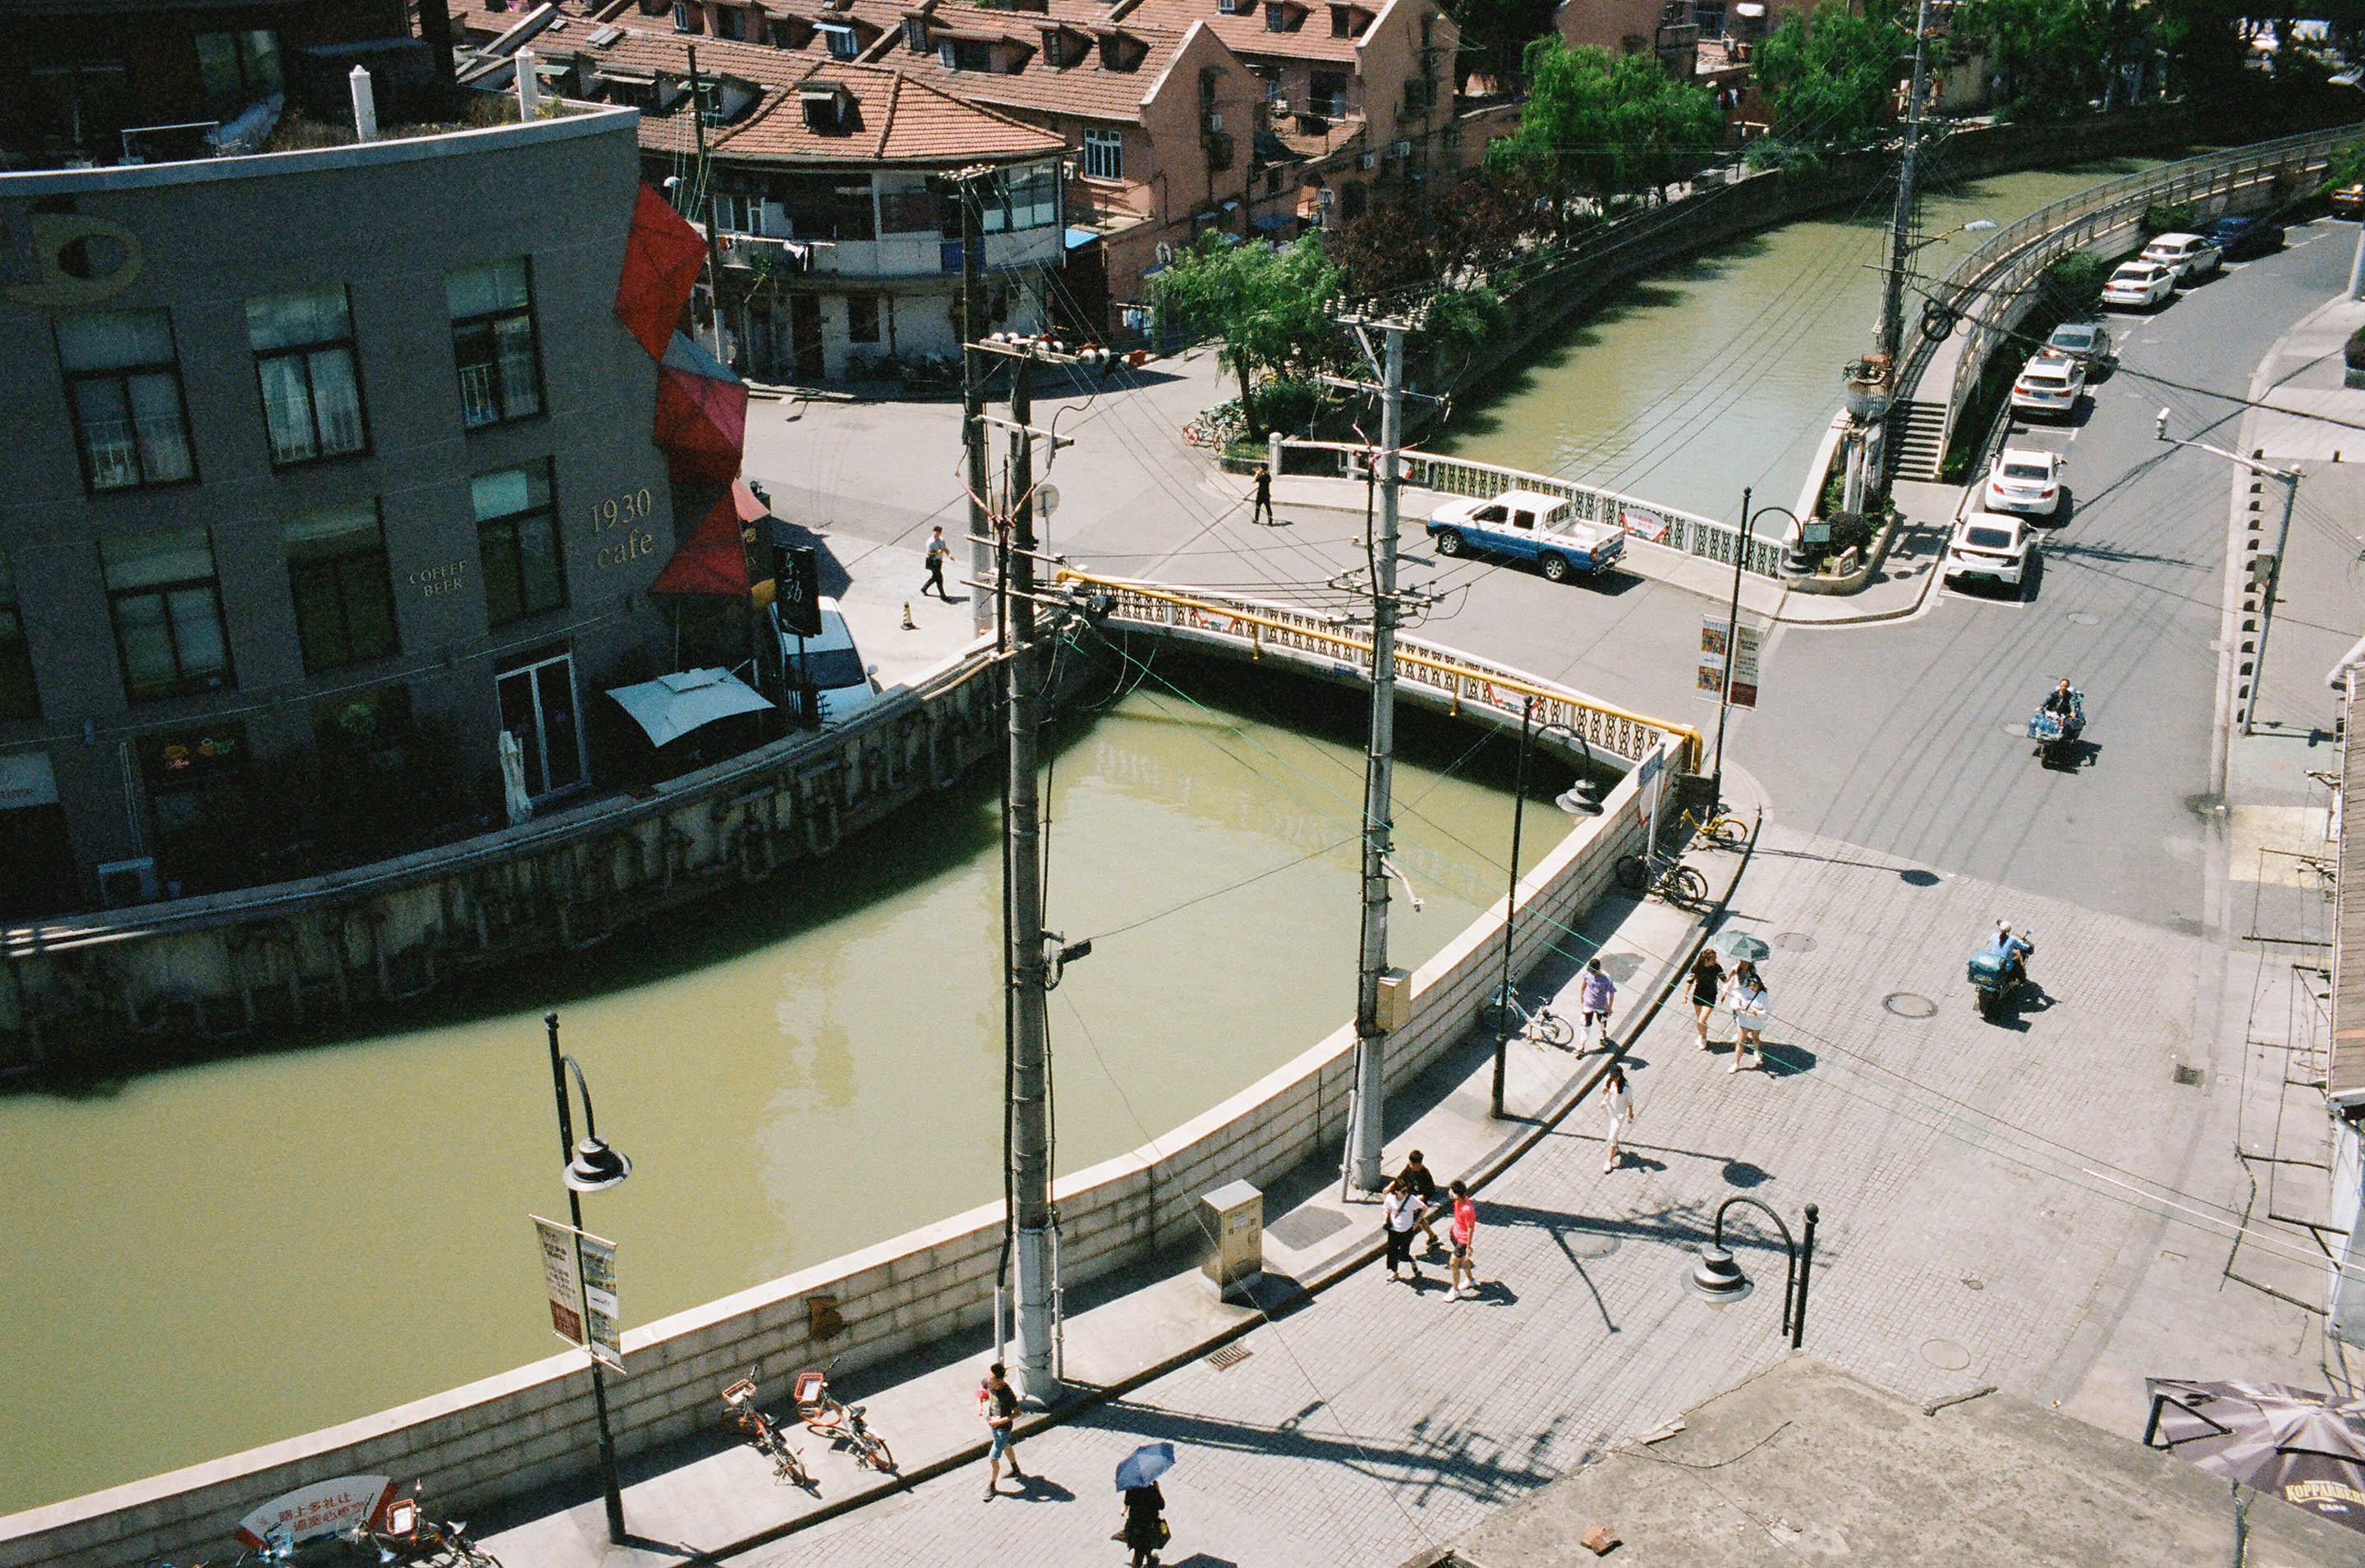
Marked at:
<point>2014,950</point>
<point>2063,704</point>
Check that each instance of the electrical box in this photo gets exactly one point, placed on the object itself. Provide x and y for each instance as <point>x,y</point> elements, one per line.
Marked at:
<point>1395,1010</point>
<point>1233,1215</point>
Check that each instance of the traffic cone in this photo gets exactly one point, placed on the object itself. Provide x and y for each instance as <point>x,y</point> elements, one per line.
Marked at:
<point>909,624</point>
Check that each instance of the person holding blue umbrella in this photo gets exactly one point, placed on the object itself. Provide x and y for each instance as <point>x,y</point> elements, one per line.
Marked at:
<point>1145,1529</point>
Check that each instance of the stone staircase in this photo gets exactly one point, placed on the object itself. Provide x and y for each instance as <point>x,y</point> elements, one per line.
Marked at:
<point>1917,440</point>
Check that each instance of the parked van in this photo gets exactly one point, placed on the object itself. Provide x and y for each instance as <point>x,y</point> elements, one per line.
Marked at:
<point>830,665</point>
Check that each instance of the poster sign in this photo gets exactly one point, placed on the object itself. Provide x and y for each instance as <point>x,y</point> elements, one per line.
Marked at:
<point>578,1271</point>
<point>1644,522</point>
<point>1714,633</point>
<point>325,1508</point>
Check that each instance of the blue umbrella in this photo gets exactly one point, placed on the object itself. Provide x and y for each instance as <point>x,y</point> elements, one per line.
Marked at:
<point>1144,1465</point>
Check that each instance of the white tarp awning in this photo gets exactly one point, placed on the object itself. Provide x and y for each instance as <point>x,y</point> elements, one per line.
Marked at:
<point>672,705</point>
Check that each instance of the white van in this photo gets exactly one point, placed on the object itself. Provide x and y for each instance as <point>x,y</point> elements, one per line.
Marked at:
<point>831,664</point>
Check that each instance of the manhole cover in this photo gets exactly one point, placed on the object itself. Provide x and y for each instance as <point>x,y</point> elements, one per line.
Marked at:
<point>1794,942</point>
<point>1945,1354</point>
<point>1972,1281</point>
<point>1910,1004</point>
<point>2080,617</point>
<point>1301,1229</point>
<point>1588,1244</point>
<point>1235,1353</point>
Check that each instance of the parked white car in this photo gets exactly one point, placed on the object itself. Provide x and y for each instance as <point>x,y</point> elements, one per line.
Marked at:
<point>831,665</point>
<point>2189,256</point>
<point>2138,286</point>
<point>1990,546</point>
<point>2048,384</point>
<point>2025,479</point>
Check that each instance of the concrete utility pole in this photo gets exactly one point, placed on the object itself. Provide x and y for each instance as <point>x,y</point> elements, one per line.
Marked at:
<point>705,199</point>
<point>1900,219</point>
<point>1030,1076</point>
<point>1366,1131</point>
<point>973,371</point>
<point>2266,570</point>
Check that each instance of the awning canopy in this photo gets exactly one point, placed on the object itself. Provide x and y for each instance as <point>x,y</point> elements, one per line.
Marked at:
<point>662,256</point>
<point>1078,238</point>
<point>712,560</point>
<point>671,706</point>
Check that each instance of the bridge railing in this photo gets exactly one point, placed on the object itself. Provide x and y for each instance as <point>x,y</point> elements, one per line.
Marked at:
<point>1463,680</point>
<point>1670,526</point>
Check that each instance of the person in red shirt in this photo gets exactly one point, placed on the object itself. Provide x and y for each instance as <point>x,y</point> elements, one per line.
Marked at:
<point>1461,1278</point>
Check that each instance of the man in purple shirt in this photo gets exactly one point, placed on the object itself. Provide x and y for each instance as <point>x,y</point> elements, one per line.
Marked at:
<point>1595,994</point>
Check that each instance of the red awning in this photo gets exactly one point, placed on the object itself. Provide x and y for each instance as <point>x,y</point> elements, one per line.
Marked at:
<point>750,509</point>
<point>701,415</point>
<point>712,560</point>
<point>662,256</point>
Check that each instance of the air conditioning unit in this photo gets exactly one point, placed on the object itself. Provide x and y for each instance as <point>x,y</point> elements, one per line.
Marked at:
<point>1400,150</point>
<point>1325,197</point>
<point>123,883</point>
<point>1165,254</point>
<point>1368,161</point>
<point>1215,124</point>
<point>1278,106</point>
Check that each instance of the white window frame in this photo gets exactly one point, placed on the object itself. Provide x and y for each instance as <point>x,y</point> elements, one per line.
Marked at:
<point>1103,154</point>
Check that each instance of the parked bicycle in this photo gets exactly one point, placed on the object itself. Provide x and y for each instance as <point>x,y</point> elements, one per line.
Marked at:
<point>842,1424</point>
<point>743,1417</point>
<point>1502,1014</point>
<point>1718,827</point>
<point>405,1534</point>
<point>1662,876</point>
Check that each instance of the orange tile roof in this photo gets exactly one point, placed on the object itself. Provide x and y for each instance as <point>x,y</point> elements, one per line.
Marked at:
<point>1086,89</point>
<point>1246,33</point>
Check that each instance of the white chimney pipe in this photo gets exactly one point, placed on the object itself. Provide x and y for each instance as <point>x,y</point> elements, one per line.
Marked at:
<point>529,88</point>
<point>364,106</point>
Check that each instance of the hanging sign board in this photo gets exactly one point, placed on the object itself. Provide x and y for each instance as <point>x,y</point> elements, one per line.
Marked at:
<point>1714,631</point>
<point>325,1508</point>
<point>578,1269</point>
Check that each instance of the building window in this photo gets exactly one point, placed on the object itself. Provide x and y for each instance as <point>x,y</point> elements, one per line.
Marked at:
<point>492,339</point>
<point>238,69</point>
<point>1276,19</point>
<point>862,317</point>
<point>685,18</point>
<point>336,574</point>
<point>538,707</point>
<point>1032,195</point>
<point>1104,155</point>
<point>841,40</point>
<point>517,538</point>
<point>123,381</point>
<point>17,698</point>
<point>730,23</point>
<point>167,607</point>
<point>965,54</point>
<point>304,358</point>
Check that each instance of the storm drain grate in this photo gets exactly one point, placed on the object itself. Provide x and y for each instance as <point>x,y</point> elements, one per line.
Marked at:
<point>2187,1077</point>
<point>1231,1355</point>
<point>1910,1004</point>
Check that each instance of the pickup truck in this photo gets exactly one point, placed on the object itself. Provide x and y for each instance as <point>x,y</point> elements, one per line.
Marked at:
<point>1528,526</point>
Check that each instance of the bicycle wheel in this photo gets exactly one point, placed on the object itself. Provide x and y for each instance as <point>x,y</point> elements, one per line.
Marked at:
<point>826,1419</point>
<point>1726,831</point>
<point>1555,1028</point>
<point>1633,873</point>
<point>792,1467</point>
<point>1686,885</point>
<point>875,1454</point>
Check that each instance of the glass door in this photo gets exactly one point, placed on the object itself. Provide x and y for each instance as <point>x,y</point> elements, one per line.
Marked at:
<point>538,707</point>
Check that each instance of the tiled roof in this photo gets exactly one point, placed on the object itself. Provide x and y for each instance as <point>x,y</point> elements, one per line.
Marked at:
<point>1086,89</point>
<point>896,118</point>
<point>1246,33</point>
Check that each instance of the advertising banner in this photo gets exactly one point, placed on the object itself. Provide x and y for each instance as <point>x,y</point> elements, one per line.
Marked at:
<point>325,1508</point>
<point>578,1269</point>
<point>1714,631</point>
<point>564,1277</point>
<point>599,1315</point>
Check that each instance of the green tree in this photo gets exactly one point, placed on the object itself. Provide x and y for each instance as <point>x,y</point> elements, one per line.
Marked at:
<point>1829,76</point>
<point>1615,123</point>
<point>1270,307</point>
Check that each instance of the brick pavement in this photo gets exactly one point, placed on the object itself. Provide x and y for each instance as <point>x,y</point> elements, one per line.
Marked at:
<point>1973,1233</point>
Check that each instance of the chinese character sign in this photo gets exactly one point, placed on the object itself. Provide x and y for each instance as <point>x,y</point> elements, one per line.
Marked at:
<point>579,1271</point>
<point>561,1273</point>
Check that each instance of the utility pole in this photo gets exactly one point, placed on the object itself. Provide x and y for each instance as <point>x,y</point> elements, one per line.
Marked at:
<point>705,199</point>
<point>2266,570</point>
<point>1901,219</point>
<point>973,372</point>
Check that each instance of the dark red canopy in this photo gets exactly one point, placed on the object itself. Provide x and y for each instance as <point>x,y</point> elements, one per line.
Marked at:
<point>661,260</point>
<point>712,560</point>
<point>701,416</point>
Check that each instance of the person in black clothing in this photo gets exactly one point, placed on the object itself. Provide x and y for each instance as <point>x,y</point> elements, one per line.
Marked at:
<point>1708,983</point>
<point>1422,1185</point>
<point>1145,1528</point>
<point>1262,512</point>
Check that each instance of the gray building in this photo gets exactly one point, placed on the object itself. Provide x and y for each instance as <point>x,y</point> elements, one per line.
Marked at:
<point>326,467</point>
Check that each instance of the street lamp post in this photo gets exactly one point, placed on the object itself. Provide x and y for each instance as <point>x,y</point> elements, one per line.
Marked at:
<point>1732,630</point>
<point>590,1167</point>
<point>1717,1278</point>
<point>1581,792</point>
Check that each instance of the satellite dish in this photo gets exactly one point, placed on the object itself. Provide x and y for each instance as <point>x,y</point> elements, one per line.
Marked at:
<point>1047,500</point>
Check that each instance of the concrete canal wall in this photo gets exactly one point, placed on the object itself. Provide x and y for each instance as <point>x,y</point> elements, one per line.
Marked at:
<point>534,1425</point>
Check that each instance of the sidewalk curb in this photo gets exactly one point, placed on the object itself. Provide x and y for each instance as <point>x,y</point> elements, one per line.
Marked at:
<point>1321,1278</point>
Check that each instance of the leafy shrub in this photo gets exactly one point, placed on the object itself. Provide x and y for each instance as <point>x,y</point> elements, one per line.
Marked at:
<point>2071,282</point>
<point>2165,218</point>
<point>1791,157</point>
<point>2353,355</point>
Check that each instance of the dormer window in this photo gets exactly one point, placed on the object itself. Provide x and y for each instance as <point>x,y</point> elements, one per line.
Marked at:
<point>1233,8</point>
<point>1348,21</point>
<point>1281,17</point>
<point>828,108</point>
<point>915,34</point>
<point>1121,52</point>
<point>840,38</point>
<point>730,22</point>
<point>965,54</point>
<point>685,18</point>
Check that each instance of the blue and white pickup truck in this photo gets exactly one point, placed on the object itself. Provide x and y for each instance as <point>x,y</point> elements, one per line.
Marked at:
<point>1529,527</point>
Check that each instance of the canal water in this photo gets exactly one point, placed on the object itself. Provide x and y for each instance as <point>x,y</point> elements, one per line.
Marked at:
<point>209,1258</point>
<point>1724,371</point>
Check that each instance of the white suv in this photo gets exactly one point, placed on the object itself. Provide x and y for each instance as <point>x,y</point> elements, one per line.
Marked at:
<point>2049,383</point>
<point>2189,256</point>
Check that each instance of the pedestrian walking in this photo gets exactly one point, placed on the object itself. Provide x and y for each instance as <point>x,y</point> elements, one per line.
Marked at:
<point>1707,983</point>
<point>1462,1278</point>
<point>1400,1212</point>
<point>938,551</point>
<point>1422,1185</point>
<point>1751,1007</point>
<point>1619,1102</point>
<point>1145,1529</point>
<point>1596,994</point>
<point>1262,510</point>
<point>998,1403</point>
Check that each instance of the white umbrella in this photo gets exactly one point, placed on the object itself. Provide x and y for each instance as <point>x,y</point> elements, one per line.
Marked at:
<point>672,705</point>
